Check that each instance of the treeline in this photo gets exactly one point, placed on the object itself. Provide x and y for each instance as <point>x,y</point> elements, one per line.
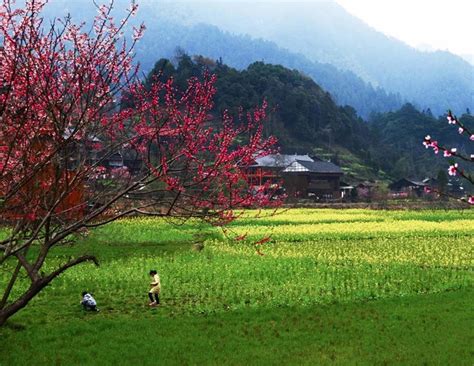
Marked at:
<point>302,115</point>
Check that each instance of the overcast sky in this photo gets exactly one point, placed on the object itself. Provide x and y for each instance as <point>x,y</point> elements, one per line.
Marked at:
<point>424,24</point>
<point>437,24</point>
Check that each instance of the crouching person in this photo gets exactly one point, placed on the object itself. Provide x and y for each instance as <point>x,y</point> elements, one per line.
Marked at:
<point>88,302</point>
<point>155,288</point>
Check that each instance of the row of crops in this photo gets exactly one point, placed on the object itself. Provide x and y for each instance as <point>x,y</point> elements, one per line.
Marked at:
<point>313,257</point>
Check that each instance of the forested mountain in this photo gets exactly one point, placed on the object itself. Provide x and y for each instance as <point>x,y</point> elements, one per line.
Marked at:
<point>163,37</point>
<point>323,31</point>
<point>305,119</point>
<point>306,36</point>
<point>302,114</point>
<point>241,51</point>
<point>397,141</point>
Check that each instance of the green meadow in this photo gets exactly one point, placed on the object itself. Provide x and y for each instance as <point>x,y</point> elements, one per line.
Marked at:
<point>330,286</point>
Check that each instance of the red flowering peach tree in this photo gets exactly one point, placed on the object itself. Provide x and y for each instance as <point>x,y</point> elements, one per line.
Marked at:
<point>73,156</point>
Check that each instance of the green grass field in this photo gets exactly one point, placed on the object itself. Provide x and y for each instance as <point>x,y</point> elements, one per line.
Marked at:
<point>333,286</point>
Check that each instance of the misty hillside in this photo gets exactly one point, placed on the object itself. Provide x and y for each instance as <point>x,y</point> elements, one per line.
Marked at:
<point>306,36</point>
<point>241,51</point>
<point>324,32</point>
<point>163,37</point>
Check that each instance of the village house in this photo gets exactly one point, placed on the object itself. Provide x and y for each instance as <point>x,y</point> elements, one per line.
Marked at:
<point>299,175</point>
<point>404,187</point>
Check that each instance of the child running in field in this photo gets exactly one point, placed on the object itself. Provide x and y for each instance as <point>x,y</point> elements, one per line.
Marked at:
<point>155,288</point>
<point>88,302</point>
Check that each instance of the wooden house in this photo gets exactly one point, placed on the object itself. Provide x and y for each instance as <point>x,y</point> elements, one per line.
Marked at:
<point>299,175</point>
<point>407,187</point>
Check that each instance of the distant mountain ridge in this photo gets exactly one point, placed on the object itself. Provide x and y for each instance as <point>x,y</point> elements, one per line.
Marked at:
<point>167,33</point>
<point>241,51</point>
<point>325,32</point>
<point>309,37</point>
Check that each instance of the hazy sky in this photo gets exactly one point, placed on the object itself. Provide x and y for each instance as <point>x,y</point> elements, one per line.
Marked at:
<point>425,24</point>
<point>440,24</point>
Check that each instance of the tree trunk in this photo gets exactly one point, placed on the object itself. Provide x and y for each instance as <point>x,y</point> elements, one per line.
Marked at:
<point>19,304</point>
<point>37,285</point>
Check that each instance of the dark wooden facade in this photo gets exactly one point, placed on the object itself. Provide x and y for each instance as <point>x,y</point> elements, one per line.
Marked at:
<point>318,185</point>
<point>406,187</point>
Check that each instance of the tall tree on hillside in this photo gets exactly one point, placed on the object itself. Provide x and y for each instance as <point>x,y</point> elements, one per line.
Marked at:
<point>63,141</point>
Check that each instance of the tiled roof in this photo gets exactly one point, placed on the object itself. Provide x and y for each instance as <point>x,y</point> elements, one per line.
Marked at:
<point>321,167</point>
<point>280,160</point>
